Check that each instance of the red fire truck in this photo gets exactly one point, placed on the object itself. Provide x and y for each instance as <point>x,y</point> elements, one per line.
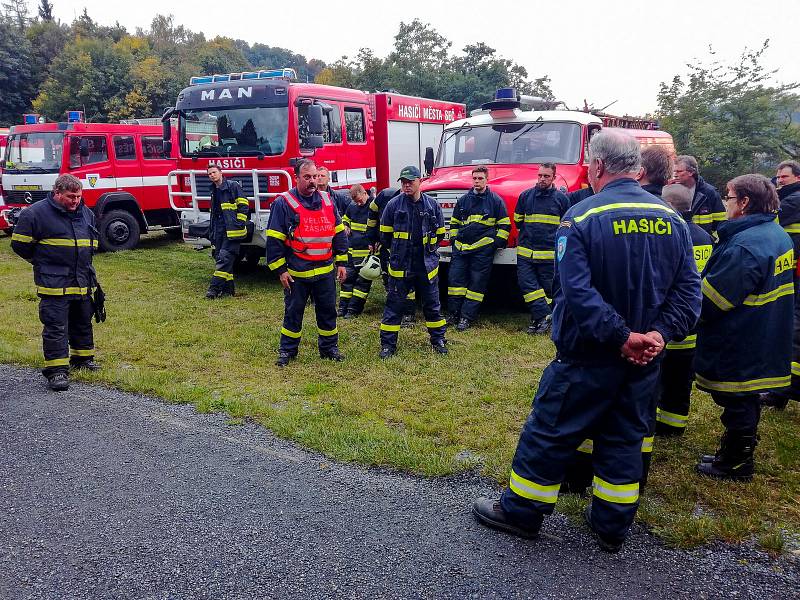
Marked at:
<point>255,126</point>
<point>4,226</point>
<point>512,143</point>
<point>122,168</point>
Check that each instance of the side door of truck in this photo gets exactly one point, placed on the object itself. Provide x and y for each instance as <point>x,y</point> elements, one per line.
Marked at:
<point>90,162</point>
<point>359,146</point>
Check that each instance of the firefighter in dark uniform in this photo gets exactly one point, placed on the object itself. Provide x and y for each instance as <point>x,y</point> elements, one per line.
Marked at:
<point>537,215</point>
<point>479,226</point>
<point>578,195</point>
<point>609,326</point>
<point>304,237</point>
<point>788,180</point>
<point>744,346</point>
<point>411,227</point>
<point>230,211</point>
<point>57,236</point>
<point>707,208</point>
<point>677,372</point>
<point>340,198</point>
<point>355,288</point>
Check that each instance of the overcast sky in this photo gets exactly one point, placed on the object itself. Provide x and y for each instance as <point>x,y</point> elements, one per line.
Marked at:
<point>599,51</point>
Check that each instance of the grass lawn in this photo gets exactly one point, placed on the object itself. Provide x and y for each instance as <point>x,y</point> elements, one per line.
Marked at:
<point>418,411</point>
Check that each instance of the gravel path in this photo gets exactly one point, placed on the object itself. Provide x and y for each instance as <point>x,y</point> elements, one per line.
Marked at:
<point>105,494</point>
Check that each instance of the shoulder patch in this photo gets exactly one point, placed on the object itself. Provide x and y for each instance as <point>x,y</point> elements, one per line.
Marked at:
<point>561,247</point>
<point>565,224</point>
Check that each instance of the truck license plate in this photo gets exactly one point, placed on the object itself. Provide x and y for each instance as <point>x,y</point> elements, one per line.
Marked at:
<point>28,188</point>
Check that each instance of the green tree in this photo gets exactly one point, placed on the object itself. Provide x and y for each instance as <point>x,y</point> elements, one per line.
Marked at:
<point>45,10</point>
<point>16,11</point>
<point>731,117</point>
<point>17,80</point>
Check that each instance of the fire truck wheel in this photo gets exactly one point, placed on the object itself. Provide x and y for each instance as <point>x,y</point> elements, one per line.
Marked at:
<point>119,230</point>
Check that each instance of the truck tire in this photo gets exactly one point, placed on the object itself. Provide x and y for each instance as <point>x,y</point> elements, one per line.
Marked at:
<point>119,230</point>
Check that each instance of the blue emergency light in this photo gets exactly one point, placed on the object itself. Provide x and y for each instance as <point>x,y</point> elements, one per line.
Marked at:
<point>30,119</point>
<point>506,94</point>
<point>74,116</point>
<point>263,74</point>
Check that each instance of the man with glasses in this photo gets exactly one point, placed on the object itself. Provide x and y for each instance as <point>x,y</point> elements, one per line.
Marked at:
<point>707,209</point>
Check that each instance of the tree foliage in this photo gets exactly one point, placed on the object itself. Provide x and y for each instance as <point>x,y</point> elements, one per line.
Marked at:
<point>731,117</point>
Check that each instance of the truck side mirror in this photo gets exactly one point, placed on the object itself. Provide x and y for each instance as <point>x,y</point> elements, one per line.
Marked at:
<point>428,160</point>
<point>166,149</point>
<point>166,130</point>
<point>315,127</point>
<point>315,141</point>
<point>84,148</point>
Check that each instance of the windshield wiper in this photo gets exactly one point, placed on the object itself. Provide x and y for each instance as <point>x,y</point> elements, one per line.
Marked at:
<point>206,153</point>
<point>538,122</point>
<point>455,131</point>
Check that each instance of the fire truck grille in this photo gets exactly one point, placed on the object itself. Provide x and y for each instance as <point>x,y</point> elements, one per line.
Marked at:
<point>447,200</point>
<point>21,197</point>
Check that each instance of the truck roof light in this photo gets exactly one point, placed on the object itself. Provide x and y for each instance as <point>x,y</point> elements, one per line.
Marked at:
<point>506,94</point>
<point>263,74</point>
<point>74,116</point>
<point>32,119</point>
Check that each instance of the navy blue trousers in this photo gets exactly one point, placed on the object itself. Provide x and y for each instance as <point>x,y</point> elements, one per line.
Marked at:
<point>536,283</point>
<point>323,291</point>
<point>397,292</point>
<point>67,331</point>
<point>612,404</point>
<point>225,253</point>
<point>468,280</point>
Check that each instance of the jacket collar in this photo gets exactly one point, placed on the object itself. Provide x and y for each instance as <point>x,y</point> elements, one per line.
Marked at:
<point>653,188</point>
<point>728,229</point>
<point>788,189</point>
<point>52,201</point>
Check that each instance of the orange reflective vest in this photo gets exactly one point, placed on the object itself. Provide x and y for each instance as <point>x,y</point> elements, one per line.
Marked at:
<point>312,239</point>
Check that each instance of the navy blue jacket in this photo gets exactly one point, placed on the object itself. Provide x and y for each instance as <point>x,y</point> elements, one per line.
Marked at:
<point>537,216</point>
<point>789,214</point>
<point>341,198</point>
<point>376,207</point>
<point>479,220</point>
<point>356,218</point>
<point>282,221</point>
<point>744,340</point>
<point>707,207</point>
<point>405,241</point>
<point>578,195</point>
<point>60,245</point>
<point>230,210</point>
<point>624,263</point>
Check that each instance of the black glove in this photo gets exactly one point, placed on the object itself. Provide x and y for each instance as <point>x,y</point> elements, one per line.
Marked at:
<point>99,304</point>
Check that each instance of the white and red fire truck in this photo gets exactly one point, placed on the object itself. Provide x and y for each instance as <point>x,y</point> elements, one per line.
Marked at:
<point>512,143</point>
<point>123,170</point>
<point>4,226</point>
<point>254,126</point>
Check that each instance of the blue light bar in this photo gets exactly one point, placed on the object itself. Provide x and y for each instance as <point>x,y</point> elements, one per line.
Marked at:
<point>506,94</point>
<point>74,116</point>
<point>263,74</point>
<point>250,75</point>
<point>30,119</point>
<point>201,80</point>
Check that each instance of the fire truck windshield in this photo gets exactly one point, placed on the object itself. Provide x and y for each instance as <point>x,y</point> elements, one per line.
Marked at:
<point>511,143</point>
<point>34,153</point>
<point>235,131</point>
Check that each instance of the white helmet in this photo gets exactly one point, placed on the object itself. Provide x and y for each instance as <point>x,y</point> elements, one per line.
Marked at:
<point>371,268</point>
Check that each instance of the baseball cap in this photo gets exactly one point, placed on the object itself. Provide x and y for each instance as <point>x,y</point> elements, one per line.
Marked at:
<point>410,172</point>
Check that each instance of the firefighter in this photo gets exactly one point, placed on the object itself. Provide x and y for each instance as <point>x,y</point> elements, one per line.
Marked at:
<point>479,226</point>
<point>229,213</point>
<point>707,206</point>
<point>677,373</point>
<point>608,331</point>
<point>656,170</point>
<point>743,344</point>
<point>376,207</point>
<point>788,180</point>
<point>304,237</point>
<point>537,215</point>
<point>355,288</point>
<point>340,197</point>
<point>57,236</point>
<point>411,227</point>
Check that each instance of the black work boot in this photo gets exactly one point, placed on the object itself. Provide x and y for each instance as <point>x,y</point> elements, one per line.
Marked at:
<point>284,358</point>
<point>734,461</point>
<point>540,326</point>
<point>439,346</point>
<point>463,324</point>
<point>607,545</point>
<point>708,458</point>
<point>58,381</point>
<point>230,289</point>
<point>341,312</point>
<point>386,352</point>
<point>213,293</point>
<point>85,365</point>
<point>490,513</point>
<point>333,354</point>
<point>774,400</point>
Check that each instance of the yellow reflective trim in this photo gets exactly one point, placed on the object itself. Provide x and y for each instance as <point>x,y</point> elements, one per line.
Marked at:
<point>56,362</point>
<point>546,219</point>
<point>484,241</point>
<point>276,263</point>
<point>453,232</point>
<point>224,275</point>
<point>433,273</point>
<point>81,352</point>
<point>718,299</point>
<point>291,334</point>
<point>403,235</point>
<point>503,234</point>
<point>328,332</point>
<point>360,294</point>
<point>84,243</point>
<point>625,493</point>
<point>241,217</point>
<point>719,216</point>
<point>534,295</point>
<point>373,206</point>
<point>435,324</point>
<point>228,206</point>
<point>647,444</point>
<point>440,230</point>
<point>358,253</point>
<point>518,217</point>
<point>276,234</point>
<point>346,220</point>
<point>795,369</point>
<point>45,291</point>
<point>751,385</point>
<point>504,221</point>
<point>456,221</point>
<point>387,229</point>
<point>543,254</point>
<point>793,228</point>
<point>341,258</point>
<point>338,228</point>
<point>587,446</point>
<point>18,237</point>
<point>394,273</point>
<point>344,294</point>
<point>456,291</point>
<point>690,341</point>
<point>237,233</point>
<point>372,223</point>
<point>358,226</point>
<point>533,491</point>
<point>412,295</point>
<point>311,272</point>
<point>787,289</point>
<point>391,328</point>
<point>477,296</point>
<point>671,419</point>
<point>702,219</point>
<point>243,202</point>
<point>621,206</point>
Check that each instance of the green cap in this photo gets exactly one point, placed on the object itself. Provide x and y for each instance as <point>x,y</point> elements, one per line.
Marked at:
<point>410,172</point>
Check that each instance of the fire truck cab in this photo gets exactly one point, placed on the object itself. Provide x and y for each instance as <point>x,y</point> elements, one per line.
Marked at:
<point>122,168</point>
<point>256,125</point>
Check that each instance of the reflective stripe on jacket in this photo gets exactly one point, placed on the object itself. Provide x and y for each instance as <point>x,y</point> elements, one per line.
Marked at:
<point>396,235</point>
<point>229,207</point>
<point>707,208</point>
<point>479,220</point>
<point>537,215</point>
<point>60,245</point>
<point>744,340</point>
<point>356,218</point>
